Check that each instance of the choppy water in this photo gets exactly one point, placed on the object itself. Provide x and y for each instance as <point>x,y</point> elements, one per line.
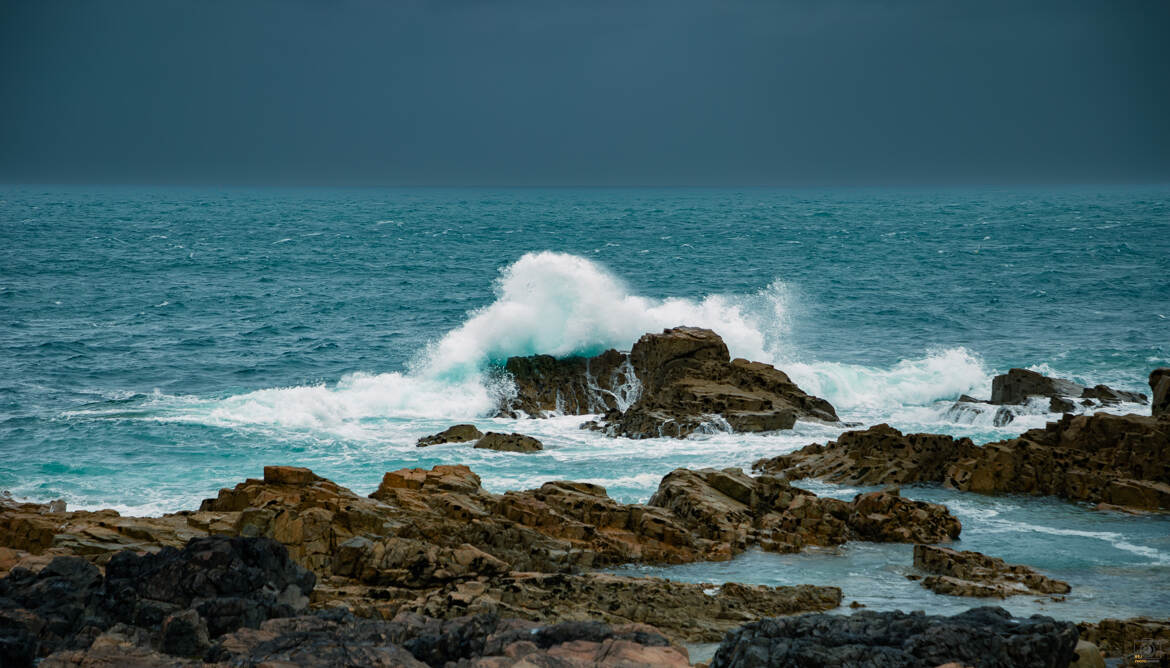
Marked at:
<point>156,344</point>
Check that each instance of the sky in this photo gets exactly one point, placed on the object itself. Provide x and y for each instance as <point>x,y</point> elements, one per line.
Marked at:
<point>591,93</point>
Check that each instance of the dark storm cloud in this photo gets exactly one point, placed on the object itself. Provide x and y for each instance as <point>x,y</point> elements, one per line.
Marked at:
<point>542,92</point>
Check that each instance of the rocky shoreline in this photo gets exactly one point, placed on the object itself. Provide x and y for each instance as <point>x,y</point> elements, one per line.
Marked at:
<point>432,569</point>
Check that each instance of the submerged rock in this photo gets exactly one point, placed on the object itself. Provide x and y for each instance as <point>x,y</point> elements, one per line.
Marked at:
<point>508,442</point>
<point>1122,460</point>
<point>674,383</point>
<point>978,637</point>
<point>460,433</point>
<point>968,573</point>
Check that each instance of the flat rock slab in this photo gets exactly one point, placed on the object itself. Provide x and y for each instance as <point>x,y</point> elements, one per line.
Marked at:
<point>460,433</point>
<point>508,443</point>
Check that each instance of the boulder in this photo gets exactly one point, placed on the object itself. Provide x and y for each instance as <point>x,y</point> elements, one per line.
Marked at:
<point>1015,386</point>
<point>460,433</point>
<point>968,573</point>
<point>1160,388</point>
<point>977,637</point>
<point>508,443</point>
<point>674,383</point>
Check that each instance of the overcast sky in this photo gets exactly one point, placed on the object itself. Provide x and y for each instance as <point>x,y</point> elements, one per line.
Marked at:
<point>541,92</point>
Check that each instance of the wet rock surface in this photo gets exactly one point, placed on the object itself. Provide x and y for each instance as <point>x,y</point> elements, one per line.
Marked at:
<point>1120,460</point>
<point>508,443</point>
<point>460,433</point>
<point>671,384</point>
<point>966,573</point>
<point>984,637</point>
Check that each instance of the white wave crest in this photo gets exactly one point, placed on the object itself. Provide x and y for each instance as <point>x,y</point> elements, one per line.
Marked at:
<point>560,304</point>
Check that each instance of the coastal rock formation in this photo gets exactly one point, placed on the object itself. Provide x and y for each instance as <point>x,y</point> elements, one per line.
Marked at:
<point>968,573</point>
<point>671,384</point>
<point>1160,386</point>
<point>1020,391</point>
<point>408,641</point>
<point>212,586</point>
<point>433,541</point>
<point>508,442</point>
<point>1119,637</point>
<point>880,455</point>
<point>735,510</point>
<point>1122,460</point>
<point>977,637</point>
<point>460,433</point>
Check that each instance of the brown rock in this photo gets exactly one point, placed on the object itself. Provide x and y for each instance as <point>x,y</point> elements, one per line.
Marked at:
<point>1122,460</point>
<point>973,574</point>
<point>508,443</point>
<point>1119,637</point>
<point>1160,387</point>
<point>460,433</point>
<point>671,384</point>
<point>880,455</point>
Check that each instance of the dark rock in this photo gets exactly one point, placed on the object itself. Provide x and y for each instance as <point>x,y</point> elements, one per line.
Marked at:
<point>1108,395</point>
<point>1118,637</point>
<point>508,442</point>
<point>185,634</point>
<point>571,385</point>
<point>460,433</point>
<point>1015,386</point>
<point>984,637</point>
<point>1059,405</point>
<point>967,573</point>
<point>1160,388</point>
<point>671,384</point>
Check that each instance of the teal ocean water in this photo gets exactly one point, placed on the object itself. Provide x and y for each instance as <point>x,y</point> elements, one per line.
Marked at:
<point>157,344</point>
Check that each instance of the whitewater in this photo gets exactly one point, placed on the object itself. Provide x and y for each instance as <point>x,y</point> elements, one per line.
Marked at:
<point>160,344</point>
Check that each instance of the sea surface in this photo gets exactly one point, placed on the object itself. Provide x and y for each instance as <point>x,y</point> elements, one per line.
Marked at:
<point>157,344</point>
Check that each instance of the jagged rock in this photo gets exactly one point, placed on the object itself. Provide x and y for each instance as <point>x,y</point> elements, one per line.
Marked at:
<point>1160,388</point>
<point>670,384</point>
<point>880,455</point>
<point>978,637</point>
<point>735,510</point>
<point>460,433</point>
<point>508,442</point>
<point>1108,395</point>
<point>973,574</point>
<point>1119,637</point>
<point>1123,460</point>
<point>571,385</point>
<point>212,586</point>
<point>1015,386</point>
<point>684,611</point>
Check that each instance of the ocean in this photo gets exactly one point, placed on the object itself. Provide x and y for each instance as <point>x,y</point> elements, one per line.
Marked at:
<point>157,344</point>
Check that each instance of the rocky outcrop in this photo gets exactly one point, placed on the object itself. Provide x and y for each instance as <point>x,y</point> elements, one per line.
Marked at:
<point>1120,460</point>
<point>734,510</point>
<point>1160,387</point>
<point>185,597</point>
<point>674,383</point>
<point>968,573</point>
<point>1021,392</point>
<point>880,455</point>
<point>978,637</point>
<point>508,443</point>
<point>571,385</point>
<point>1121,637</point>
<point>408,641</point>
<point>460,433</point>
<point>1015,386</point>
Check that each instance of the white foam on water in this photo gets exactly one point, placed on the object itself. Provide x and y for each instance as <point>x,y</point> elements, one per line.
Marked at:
<point>560,304</point>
